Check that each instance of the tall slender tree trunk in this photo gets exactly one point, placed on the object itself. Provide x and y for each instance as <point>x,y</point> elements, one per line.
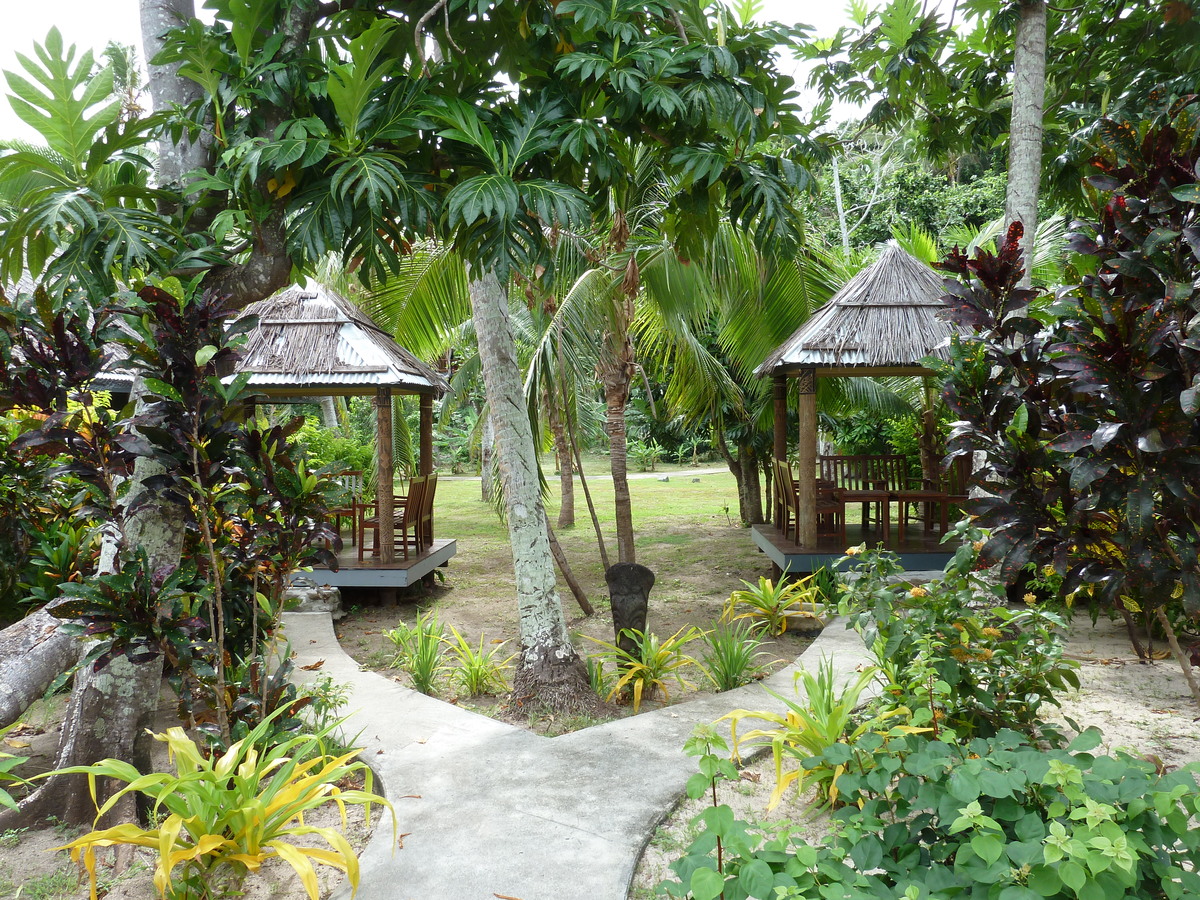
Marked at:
<point>1025,133</point>
<point>549,668</point>
<point>566,465</point>
<point>616,375</point>
<point>487,457</point>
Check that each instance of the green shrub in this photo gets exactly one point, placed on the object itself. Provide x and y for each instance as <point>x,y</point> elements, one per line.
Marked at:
<point>478,671</point>
<point>817,717</point>
<point>732,657</point>
<point>992,817</point>
<point>331,449</point>
<point>421,650</point>
<point>223,816</point>
<point>951,651</point>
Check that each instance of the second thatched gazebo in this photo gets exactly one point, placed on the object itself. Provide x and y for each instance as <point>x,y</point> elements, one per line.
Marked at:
<point>311,342</point>
<point>884,321</point>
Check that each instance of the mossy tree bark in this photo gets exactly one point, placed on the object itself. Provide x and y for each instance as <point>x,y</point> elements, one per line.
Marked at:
<point>549,669</point>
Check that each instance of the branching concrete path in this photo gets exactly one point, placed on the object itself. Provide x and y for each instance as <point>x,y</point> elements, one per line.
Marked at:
<point>501,812</point>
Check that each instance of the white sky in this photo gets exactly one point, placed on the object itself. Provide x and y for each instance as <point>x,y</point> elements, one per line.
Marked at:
<point>91,24</point>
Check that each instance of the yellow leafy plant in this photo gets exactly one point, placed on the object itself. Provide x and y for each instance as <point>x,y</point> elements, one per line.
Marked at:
<point>225,816</point>
<point>819,717</point>
<point>769,604</point>
<point>646,670</point>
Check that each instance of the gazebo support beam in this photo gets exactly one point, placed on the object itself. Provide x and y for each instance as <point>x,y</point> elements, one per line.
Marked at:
<point>425,463</point>
<point>384,475</point>
<point>779,395</point>
<point>806,478</point>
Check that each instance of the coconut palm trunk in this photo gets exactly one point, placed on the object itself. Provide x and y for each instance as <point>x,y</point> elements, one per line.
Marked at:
<point>549,668</point>
<point>617,366</point>
<point>566,465</point>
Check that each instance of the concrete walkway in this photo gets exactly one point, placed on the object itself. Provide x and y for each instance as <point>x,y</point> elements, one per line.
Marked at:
<point>501,812</point>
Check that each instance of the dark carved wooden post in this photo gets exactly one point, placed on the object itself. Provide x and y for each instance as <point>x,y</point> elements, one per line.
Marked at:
<point>629,589</point>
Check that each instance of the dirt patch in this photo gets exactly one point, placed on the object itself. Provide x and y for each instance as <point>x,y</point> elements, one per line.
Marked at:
<point>681,600</point>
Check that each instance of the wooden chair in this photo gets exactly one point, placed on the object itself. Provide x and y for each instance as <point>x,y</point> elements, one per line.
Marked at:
<point>405,514</point>
<point>350,484</point>
<point>858,480</point>
<point>830,507</point>
<point>785,496</point>
<point>831,510</point>
<point>423,527</point>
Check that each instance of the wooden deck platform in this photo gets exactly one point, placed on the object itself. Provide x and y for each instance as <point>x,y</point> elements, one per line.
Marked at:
<point>919,551</point>
<point>371,573</point>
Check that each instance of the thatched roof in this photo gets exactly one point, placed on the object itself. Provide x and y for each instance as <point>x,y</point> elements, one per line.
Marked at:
<point>311,340</point>
<point>886,316</point>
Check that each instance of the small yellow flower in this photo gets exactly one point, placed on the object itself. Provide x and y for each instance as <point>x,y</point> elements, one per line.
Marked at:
<point>985,653</point>
<point>918,591</point>
<point>978,545</point>
<point>958,626</point>
<point>853,551</point>
<point>1047,571</point>
<point>1030,598</point>
<point>992,632</point>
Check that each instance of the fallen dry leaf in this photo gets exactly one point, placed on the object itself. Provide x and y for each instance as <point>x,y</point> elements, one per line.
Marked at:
<point>505,897</point>
<point>19,745</point>
<point>314,666</point>
<point>400,840</point>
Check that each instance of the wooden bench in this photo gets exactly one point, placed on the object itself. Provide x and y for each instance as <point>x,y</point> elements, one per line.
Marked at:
<point>869,480</point>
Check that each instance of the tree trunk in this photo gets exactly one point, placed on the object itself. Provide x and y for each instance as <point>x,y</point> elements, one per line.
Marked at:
<point>616,395</point>
<point>549,668</point>
<point>751,486</point>
<point>587,496</point>
<point>1025,133</point>
<point>739,475</point>
<point>1182,658</point>
<point>564,566</point>
<point>169,89</point>
<point>107,717</point>
<point>566,468</point>
<point>487,458</point>
<point>329,415</point>
<point>616,375</point>
<point>109,711</point>
<point>33,652</point>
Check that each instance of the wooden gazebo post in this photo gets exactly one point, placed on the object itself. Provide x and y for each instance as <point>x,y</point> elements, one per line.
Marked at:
<point>385,474</point>
<point>806,479</point>
<point>425,463</point>
<point>779,395</point>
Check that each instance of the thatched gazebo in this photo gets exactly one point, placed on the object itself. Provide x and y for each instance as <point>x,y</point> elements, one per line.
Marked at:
<point>884,321</point>
<point>311,342</point>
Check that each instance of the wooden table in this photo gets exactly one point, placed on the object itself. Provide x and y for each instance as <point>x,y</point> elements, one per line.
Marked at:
<point>882,501</point>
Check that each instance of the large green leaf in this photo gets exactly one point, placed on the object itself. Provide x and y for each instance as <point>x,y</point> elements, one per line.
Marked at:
<point>353,85</point>
<point>493,198</point>
<point>66,102</point>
